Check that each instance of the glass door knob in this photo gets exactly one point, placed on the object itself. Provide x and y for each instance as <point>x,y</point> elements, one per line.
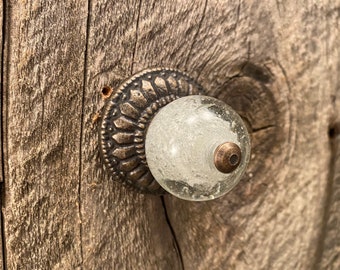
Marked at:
<point>159,134</point>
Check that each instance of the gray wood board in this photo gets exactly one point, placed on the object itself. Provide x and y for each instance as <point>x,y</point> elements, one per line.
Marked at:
<point>1,128</point>
<point>121,229</point>
<point>276,63</point>
<point>329,246</point>
<point>45,45</point>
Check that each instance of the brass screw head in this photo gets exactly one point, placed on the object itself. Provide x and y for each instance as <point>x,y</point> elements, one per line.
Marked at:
<point>227,157</point>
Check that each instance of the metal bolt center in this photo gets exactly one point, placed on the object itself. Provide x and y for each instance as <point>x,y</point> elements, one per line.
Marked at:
<point>227,157</point>
<point>233,160</point>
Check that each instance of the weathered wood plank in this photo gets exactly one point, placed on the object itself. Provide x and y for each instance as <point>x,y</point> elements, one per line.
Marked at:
<point>1,140</point>
<point>1,98</point>
<point>329,248</point>
<point>276,63</point>
<point>121,229</point>
<point>328,256</point>
<point>165,33</point>
<point>45,44</point>
<point>273,219</point>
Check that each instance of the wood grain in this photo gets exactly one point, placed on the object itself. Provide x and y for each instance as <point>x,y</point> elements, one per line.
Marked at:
<point>45,44</point>
<point>121,229</point>
<point>329,247</point>
<point>272,220</point>
<point>329,242</point>
<point>1,139</point>
<point>1,78</point>
<point>276,63</point>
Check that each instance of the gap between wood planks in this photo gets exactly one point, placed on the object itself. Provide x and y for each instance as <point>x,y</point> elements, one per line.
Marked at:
<point>3,98</point>
<point>81,135</point>
<point>334,145</point>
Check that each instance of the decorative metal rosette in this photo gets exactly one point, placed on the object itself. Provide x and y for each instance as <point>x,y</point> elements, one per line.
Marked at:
<point>126,117</point>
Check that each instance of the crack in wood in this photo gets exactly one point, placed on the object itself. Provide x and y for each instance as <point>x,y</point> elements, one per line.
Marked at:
<point>329,196</point>
<point>2,123</point>
<point>254,130</point>
<point>2,224</point>
<point>3,93</point>
<point>88,23</point>
<point>176,243</point>
<point>136,38</point>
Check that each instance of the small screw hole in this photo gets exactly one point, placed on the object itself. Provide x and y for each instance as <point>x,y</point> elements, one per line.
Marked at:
<point>106,91</point>
<point>233,159</point>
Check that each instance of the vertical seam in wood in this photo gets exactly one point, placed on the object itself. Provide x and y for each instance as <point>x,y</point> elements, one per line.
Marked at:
<point>196,34</point>
<point>3,240</point>
<point>177,247</point>
<point>82,127</point>
<point>3,113</point>
<point>2,84</point>
<point>334,147</point>
<point>136,39</point>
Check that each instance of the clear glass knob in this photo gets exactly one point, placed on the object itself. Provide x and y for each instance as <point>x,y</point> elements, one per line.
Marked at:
<point>197,148</point>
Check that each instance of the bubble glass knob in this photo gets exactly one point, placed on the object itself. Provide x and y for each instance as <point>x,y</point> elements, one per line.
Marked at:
<point>197,148</point>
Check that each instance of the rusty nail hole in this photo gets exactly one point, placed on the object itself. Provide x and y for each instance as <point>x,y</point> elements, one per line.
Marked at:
<point>106,91</point>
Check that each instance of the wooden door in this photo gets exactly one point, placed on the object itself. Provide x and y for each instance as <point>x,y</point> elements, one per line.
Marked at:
<point>276,62</point>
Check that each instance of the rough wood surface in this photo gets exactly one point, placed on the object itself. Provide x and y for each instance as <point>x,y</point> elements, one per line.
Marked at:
<point>1,139</point>
<point>276,63</point>
<point>1,98</point>
<point>273,220</point>
<point>329,246</point>
<point>121,229</point>
<point>44,72</point>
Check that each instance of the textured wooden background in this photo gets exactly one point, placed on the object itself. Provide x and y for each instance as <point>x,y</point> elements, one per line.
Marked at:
<point>276,63</point>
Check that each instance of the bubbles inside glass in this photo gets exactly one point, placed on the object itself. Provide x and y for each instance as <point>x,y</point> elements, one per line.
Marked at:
<point>180,144</point>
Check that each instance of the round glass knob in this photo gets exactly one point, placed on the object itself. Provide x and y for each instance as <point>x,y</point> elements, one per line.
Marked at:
<point>197,148</point>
